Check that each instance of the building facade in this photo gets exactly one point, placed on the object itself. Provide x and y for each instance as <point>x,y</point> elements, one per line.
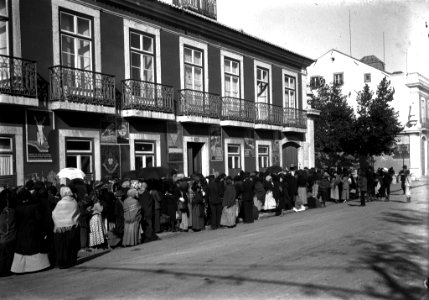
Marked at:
<point>410,101</point>
<point>116,85</point>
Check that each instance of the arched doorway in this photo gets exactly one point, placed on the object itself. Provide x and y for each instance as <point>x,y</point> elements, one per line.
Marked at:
<point>290,154</point>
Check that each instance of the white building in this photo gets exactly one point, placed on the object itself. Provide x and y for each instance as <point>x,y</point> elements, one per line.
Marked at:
<point>411,100</point>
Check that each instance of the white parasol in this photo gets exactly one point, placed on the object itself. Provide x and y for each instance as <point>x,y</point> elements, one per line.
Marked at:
<point>71,173</point>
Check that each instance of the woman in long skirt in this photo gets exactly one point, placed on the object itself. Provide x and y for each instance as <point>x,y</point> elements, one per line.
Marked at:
<point>132,217</point>
<point>96,228</point>
<point>66,230</point>
<point>197,207</point>
<point>229,207</point>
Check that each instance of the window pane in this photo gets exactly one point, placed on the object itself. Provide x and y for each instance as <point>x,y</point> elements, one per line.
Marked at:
<point>146,147</point>
<point>3,8</point>
<point>263,149</point>
<point>135,41</point>
<point>78,145</point>
<point>149,161</point>
<point>233,149</point>
<point>67,51</point>
<point>5,144</point>
<point>198,58</point>
<point>85,163</point>
<point>67,22</point>
<point>188,78</point>
<point>227,65</point>
<point>3,38</point>
<point>148,60</point>
<point>84,52</point>
<point>135,60</point>
<point>147,44</point>
<point>198,79</point>
<point>188,55</point>
<point>83,27</point>
<point>6,165</point>
<point>135,73</point>
<point>139,162</point>
<point>235,68</point>
<point>230,162</point>
<point>71,161</point>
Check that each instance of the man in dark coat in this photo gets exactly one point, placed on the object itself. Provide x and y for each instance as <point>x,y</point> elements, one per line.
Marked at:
<point>215,202</point>
<point>292,185</point>
<point>147,207</point>
<point>247,199</point>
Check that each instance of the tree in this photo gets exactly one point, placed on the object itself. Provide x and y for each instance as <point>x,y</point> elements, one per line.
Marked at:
<point>333,127</point>
<point>377,122</point>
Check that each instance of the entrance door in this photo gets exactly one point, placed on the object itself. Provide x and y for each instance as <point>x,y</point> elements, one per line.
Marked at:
<point>195,158</point>
<point>290,154</point>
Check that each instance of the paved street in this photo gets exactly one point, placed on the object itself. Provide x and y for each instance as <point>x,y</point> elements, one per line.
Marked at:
<point>339,252</point>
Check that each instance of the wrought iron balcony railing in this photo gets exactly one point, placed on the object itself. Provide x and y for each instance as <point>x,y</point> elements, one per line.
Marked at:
<point>269,114</point>
<point>236,109</point>
<point>293,117</point>
<point>143,95</point>
<point>204,7</point>
<point>198,103</point>
<point>82,86</point>
<point>18,77</point>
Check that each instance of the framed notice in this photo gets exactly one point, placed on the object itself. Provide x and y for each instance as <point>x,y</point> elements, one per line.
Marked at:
<point>110,161</point>
<point>122,131</point>
<point>108,130</point>
<point>175,142</point>
<point>38,125</point>
<point>216,153</point>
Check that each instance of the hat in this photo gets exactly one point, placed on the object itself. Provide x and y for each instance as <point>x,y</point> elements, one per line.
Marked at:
<point>132,193</point>
<point>385,170</point>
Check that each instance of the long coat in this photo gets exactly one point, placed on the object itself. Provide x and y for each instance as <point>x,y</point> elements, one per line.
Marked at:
<point>30,229</point>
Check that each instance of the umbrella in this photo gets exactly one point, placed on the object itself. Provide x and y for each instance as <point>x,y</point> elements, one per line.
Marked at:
<point>154,172</point>
<point>71,173</point>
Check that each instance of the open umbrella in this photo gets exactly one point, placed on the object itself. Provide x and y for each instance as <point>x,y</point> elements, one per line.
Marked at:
<point>71,173</point>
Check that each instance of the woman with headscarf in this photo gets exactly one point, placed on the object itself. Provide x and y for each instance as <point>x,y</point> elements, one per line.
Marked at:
<point>197,207</point>
<point>132,218</point>
<point>7,230</point>
<point>30,235</point>
<point>229,208</point>
<point>66,230</point>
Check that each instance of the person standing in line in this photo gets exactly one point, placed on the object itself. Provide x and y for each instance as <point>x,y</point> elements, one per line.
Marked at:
<point>247,199</point>
<point>215,202</point>
<point>407,184</point>
<point>402,176</point>
<point>197,207</point>
<point>345,193</point>
<point>363,187</point>
<point>7,230</point>
<point>228,204</point>
<point>146,204</point>
<point>132,217</point>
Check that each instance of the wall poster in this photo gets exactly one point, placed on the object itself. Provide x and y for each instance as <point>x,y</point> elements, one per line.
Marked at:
<point>108,130</point>
<point>110,161</point>
<point>38,123</point>
<point>249,144</point>
<point>276,149</point>
<point>122,131</point>
<point>216,153</point>
<point>175,142</point>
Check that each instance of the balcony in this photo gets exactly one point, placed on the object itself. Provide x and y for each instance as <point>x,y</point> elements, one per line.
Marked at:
<point>237,112</point>
<point>294,120</point>
<point>147,100</point>
<point>268,116</point>
<point>81,90</point>
<point>18,81</point>
<point>204,7</point>
<point>198,107</point>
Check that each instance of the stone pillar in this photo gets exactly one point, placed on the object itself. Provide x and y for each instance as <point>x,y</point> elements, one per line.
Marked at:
<point>309,137</point>
<point>415,155</point>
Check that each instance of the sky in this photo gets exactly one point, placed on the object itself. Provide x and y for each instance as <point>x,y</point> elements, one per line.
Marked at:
<point>313,27</point>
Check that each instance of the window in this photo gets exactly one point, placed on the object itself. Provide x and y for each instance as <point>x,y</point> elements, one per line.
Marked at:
<point>193,60</point>
<point>338,79</point>
<point>76,41</point>
<point>142,56</point>
<point>263,156</point>
<point>367,77</point>
<point>4,28</point>
<point>289,91</point>
<point>263,85</point>
<point>234,157</point>
<point>144,154</point>
<point>232,77</point>
<point>6,156</point>
<point>316,82</point>
<point>79,155</point>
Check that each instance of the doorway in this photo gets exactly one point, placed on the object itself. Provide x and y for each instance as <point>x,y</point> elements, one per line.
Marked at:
<point>194,157</point>
<point>290,154</point>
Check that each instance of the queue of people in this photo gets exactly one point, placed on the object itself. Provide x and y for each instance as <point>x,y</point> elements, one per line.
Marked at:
<point>42,226</point>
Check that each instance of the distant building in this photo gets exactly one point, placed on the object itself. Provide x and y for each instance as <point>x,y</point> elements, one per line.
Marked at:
<point>116,85</point>
<point>411,100</point>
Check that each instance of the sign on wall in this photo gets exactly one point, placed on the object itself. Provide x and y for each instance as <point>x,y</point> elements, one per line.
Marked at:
<point>108,130</point>
<point>276,153</point>
<point>216,153</point>
<point>175,142</point>
<point>38,123</point>
<point>249,144</point>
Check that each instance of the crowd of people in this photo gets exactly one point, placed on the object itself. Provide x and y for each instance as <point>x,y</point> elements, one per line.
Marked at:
<point>43,225</point>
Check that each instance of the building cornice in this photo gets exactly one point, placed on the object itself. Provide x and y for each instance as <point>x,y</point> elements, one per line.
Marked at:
<point>190,22</point>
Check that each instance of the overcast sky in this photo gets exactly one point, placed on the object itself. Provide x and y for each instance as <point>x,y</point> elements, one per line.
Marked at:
<point>312,27</point>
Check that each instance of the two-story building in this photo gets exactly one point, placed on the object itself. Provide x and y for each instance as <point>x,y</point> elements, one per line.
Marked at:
<point>110,86</point>
<point>410,100</point>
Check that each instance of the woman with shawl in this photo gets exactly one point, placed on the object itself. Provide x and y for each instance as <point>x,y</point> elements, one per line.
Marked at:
<point>197,207</point>
<point>66,230</point>
<point>132,218</point>
<point>229,208</point>
<point>30,235</point>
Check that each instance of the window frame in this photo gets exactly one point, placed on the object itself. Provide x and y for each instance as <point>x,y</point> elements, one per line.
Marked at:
<point>145,154</point>
<point>9,152</point>
<point>193,67</point>
<point>231,75</point>
<point>319,82</point>
<point>258,81</point>
<point>234,156</point>
<point>6,19</point>
<point>143,53</point>
<point>289,90</point>
<point>76,37</point>
<point>342,78</point>
<point>78,154</point>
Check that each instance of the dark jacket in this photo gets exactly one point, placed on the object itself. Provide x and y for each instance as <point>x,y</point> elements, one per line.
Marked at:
<point>213,191</point>
<point>247,190</point>
<point>146,203</point>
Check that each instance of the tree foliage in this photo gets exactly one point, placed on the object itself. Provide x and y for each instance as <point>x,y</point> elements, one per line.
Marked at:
<point>341,135</point>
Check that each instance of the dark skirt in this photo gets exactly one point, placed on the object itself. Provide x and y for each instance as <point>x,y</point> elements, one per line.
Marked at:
<point>248,212</point>
<point>66,245</point>
<point>7,251</point>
